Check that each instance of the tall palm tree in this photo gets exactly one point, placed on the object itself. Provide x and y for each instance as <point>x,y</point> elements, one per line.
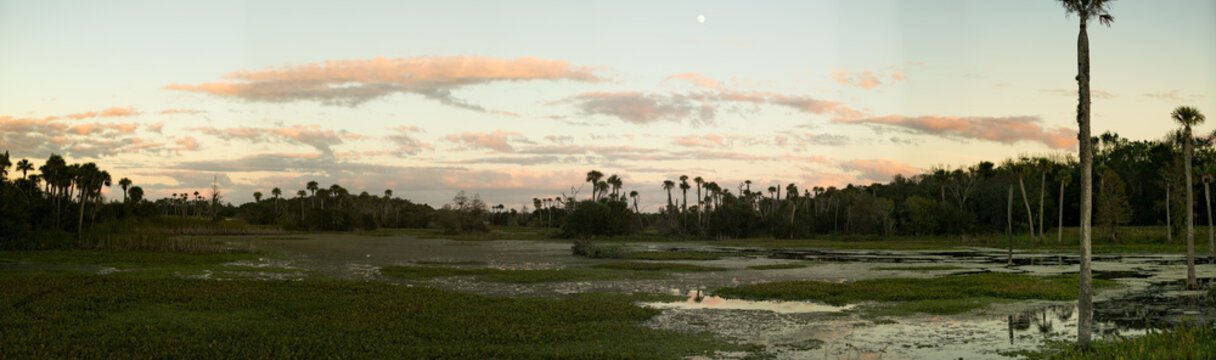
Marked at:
<point>684,187</point>
<point>634,195</point>
<point>594,177</point>
<point>257,196</point>
<point>700,204</point>
<point>668,185</point>
<point>4,164</point>
<point>300,195</point>
<point>124,183</point>
<point>616,183</point>
<point>24,166</point>
<point>1063,178</point>
<point>1207,195</point>
<point>1085,10</point>
<point>276,192</point>
<point>312,188</point>
<point>1188,117</point>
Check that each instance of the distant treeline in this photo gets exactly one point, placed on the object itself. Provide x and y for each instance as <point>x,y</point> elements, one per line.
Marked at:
<point>1135,182</point>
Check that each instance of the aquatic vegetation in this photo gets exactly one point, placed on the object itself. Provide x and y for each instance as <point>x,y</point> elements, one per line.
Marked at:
<point>510,276</point>
<point>649,266</point>
<point>919,268</point>
<point>949,294</point>
<point>779,266</point>
<point>55,316</point>
<point>672,255</point>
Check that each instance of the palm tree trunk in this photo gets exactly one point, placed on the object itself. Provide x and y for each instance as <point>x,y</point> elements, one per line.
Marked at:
<point>1085,294</point>
<point>1191,283</point>
<point>1060,228</point>
<point>1169,227</point>
<point>1211,239</point>
<point>1029,215</point>
<point>80,222</point>
<point>1042,198</point>
<point>1009,225</point>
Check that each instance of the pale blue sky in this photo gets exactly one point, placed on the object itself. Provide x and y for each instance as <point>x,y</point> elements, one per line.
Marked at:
<point>970,59</point>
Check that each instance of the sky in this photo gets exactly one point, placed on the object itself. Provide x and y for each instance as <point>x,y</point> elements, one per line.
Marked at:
<point>519,100</point>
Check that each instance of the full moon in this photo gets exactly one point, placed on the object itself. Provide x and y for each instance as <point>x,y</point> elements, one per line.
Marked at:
<point>701,18</point>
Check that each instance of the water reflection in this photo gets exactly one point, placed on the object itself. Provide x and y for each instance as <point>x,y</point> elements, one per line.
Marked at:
<point>698,300</point>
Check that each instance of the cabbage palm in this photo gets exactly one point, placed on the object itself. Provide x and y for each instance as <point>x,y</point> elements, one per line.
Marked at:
<point>125,184</point>
<point>276,192</point>
<point>24,166</point>
<point>668,185</point>
<point>1085,10</point>
<point>594,177</point>
<point>1063,178</point>
<point>1207,180</point>
<point>1188,117</point>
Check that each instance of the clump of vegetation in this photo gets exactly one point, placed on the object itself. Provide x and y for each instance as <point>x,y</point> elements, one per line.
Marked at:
<point>919,268</point>
<point>779,266</point>
<point>174,318</point>
<point>584,247</point>
<point>464,215</point>
<point>649,266</point>
<point>960,290</point>
<point>1178,343</point>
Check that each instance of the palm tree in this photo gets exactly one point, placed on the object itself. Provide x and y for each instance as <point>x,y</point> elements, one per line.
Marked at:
<point>1063,178</point>
<point>1023,169</point>
<point>594,177</point>
<point>276,192</point>
<point>24,166</point>
<point>1044,167</point>
<point>684,187</point>
<point>136,193</point>
<point>124,183</point>
<point>300,195</point>
<point>634,195</point>
<point>1085,10</point>
<point>616,183</point>
<point>1189,117</point>
<point>700,204</point>
<point>312,188</point>
<point>257,196</point>
<point>668,185</point>
<point>1207,179</point>
<point>4,164</point>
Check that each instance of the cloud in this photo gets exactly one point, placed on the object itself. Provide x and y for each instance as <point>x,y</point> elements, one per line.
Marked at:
<point>562,139</point>
<point>878,170</point>
<point>697,106</point>
<point>867,79</point>
<point>406,143</point>
<point>312,135</point>
<point>499,141</point>
<point>352,82</point>
<point>1006,130</point>
<point>182,111</point>
<point>704,141</point>
<point>41,136</point>
<point>111,112</point>
<point>1173,95</point>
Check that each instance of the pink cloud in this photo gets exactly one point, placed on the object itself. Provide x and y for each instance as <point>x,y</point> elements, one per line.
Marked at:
<point>1006,130</point>
<point>879,170</point>
<point>1173,95</point>
<point>182,111</point>
<point>312,135</point>
<point>407,144</point>
<point>354,81</point>
<point>705,141</point>
<point>110,112</point>
<point>498,140</point>
<point>866,79</point>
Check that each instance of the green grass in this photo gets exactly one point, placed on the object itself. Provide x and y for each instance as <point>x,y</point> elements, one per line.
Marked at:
<point>963,292</point>
<point>90,316</point>
<point>267,269</point>
<point>671,255</point>
<point>919,268</point>
<point>779,266</point>
<point>1179,343</point>
<point>453,262</point>
<point>649,266</point>
<point>511,276</point>
<point>122,259</point>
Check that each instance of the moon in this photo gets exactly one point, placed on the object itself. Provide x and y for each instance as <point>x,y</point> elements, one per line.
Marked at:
<point>701,19</point>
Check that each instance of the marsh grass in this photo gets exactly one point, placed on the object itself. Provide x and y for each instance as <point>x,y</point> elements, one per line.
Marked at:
<point>453,262</point>
<point>919,268</point>
<point>779,266</point>
<point>512,276</point>
<point>650,266</point>
<point>158,242</point>
<point>955,293</point>
<point>1178,343</point>
<point>672,255</point>
<point>90,316</point>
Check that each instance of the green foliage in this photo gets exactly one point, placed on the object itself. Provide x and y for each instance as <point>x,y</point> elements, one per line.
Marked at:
<point>1112,208</point>
<point>992,285</point>
<point>1178,343</point>
<point>921,218</point>
<point>84,316</point>
<point>464,215</point>
<point>584,247</point>
<point>600,218</point>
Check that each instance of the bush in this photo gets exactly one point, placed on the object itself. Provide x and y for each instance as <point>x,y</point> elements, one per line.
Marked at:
<point>604,218</point>
<point>584,247</point>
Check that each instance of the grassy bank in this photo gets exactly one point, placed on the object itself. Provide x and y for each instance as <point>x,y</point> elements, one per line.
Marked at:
<point>514,276</point>
<point>90,316</point>
<point>942,295</point>
<point>1180,343</point>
